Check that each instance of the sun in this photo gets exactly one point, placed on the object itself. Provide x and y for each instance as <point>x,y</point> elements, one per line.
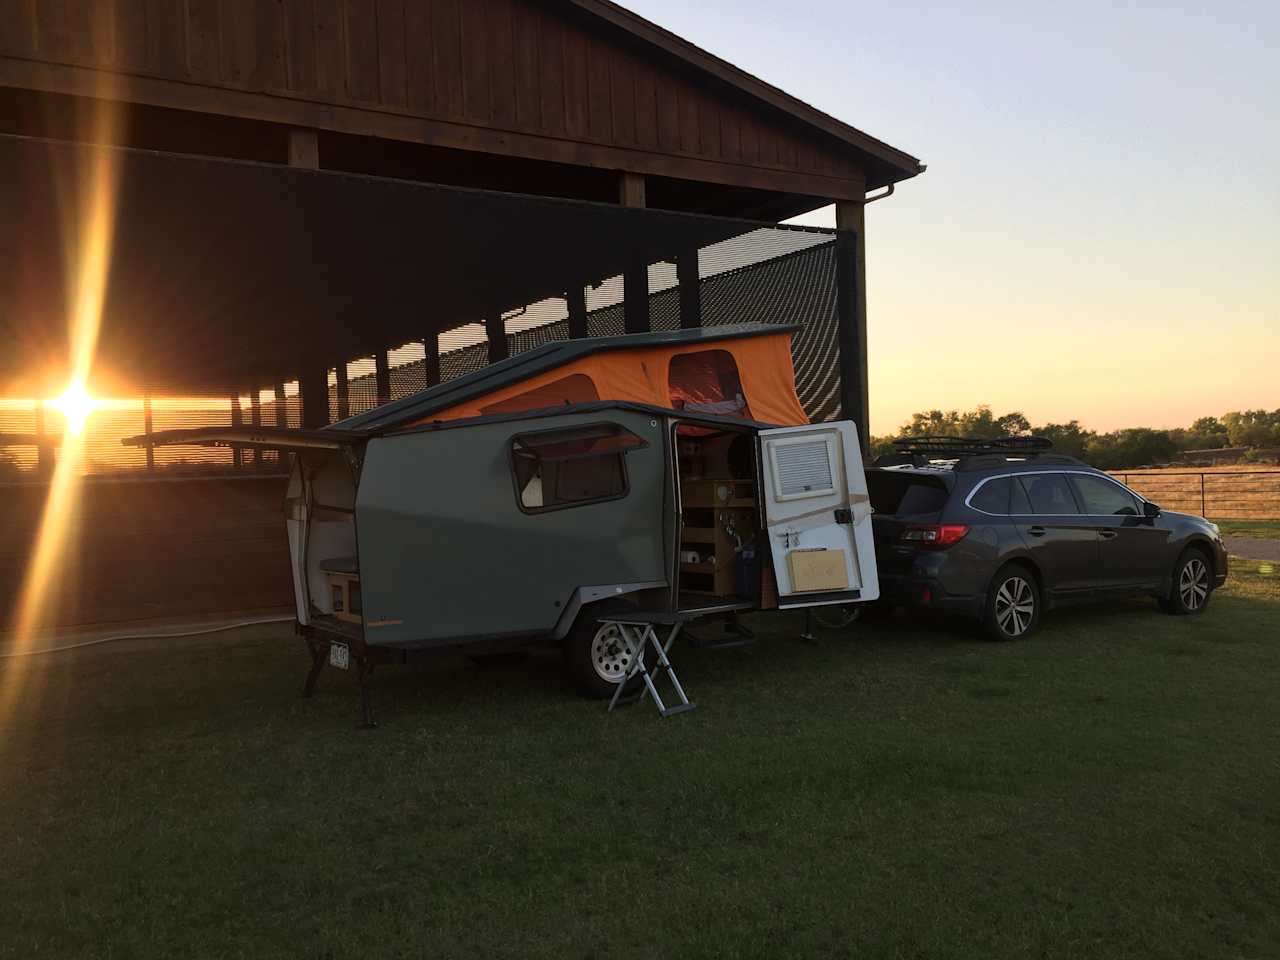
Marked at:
<point>75,405</point>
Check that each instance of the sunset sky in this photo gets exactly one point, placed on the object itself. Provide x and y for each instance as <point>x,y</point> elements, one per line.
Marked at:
<point>1098,234</point>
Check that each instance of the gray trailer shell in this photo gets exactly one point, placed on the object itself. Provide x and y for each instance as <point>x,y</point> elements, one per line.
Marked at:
<point>446,554</point>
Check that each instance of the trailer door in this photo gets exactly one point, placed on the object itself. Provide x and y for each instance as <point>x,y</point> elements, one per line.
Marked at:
<point>817,514</point>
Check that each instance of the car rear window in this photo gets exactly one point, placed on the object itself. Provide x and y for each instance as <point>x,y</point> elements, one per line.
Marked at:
<point>992,497</point>
<point>905,494</point>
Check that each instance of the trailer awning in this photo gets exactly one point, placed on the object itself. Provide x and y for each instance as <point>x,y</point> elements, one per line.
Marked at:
<point>262,438</point>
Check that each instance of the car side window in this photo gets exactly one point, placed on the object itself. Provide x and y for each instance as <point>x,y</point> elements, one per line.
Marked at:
<point>992,497</point>
<point>1103,498</point>
<point>1049,493</point>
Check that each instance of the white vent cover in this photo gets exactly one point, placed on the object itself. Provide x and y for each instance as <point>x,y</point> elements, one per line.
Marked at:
<point>803,468</point>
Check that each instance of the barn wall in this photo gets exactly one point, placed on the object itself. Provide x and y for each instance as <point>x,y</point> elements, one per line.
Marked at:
<point>143,550</point>
<point>506,76</point>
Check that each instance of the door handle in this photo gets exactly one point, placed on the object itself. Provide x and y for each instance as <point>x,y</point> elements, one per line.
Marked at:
<point>1037,531</point>
<point>1107,534</point>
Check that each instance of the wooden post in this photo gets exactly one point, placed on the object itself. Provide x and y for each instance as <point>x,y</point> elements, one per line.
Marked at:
<point>382,375</point>
<point>148,427</point>
<point>44,456</point>
<point>342,387</point>
<point>576,300</point>
<point>282,406</point>
<point>313,387</point>
<point>635,277</point>
<point>255,418</point>
<point>851,311</point>
<point>690,289</point>
<point>496,330</point>
<point>304,149</point>
<point>431,359</point>
<point>237,418</point>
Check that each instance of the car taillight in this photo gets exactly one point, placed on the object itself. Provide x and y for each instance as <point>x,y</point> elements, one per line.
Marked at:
<point>935,536</point>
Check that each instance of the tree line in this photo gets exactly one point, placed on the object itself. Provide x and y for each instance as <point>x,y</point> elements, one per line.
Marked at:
<point>1118,450</point>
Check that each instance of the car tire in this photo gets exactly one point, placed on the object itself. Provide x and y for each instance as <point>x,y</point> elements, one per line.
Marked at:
<point>1013,604</point>
<point>597,657</point>
<point>1191,587</point>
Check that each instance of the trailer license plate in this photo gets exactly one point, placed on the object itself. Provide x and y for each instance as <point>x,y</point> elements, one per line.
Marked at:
<point>339,655</point>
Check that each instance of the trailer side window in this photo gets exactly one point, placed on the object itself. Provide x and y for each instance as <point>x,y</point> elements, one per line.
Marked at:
<point>571,467</point>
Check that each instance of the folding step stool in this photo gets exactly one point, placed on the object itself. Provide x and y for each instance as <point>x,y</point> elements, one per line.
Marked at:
<point>642,625</point>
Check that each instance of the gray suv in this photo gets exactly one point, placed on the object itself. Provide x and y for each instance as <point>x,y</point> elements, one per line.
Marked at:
<point>1003,530</point>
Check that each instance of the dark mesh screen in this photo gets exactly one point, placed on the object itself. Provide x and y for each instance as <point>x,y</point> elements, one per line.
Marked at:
<point>778,275</point>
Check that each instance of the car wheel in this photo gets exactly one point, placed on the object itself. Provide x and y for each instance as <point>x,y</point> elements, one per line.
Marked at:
<point>1013,604</point>
<point>598,656</point>
<point>1192,584</point>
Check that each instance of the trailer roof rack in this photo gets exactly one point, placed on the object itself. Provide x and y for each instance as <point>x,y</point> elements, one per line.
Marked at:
<point>969,453</point>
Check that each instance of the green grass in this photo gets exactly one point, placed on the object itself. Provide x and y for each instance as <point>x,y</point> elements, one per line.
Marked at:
<point>1262,529</point>
<point>1108,788</point>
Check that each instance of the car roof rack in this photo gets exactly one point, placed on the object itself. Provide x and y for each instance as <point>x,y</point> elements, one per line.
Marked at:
<point>970,453</point>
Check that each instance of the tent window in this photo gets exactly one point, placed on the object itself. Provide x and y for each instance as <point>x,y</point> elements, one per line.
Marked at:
<point>707,382</point>
<point>576,388</point>
<point>568,468</point>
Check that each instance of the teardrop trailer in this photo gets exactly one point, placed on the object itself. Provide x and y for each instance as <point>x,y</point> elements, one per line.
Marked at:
<point>588,493</point>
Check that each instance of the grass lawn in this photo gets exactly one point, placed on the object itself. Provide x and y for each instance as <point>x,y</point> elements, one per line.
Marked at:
<point>1108,788</point>
<point>1262,529</point>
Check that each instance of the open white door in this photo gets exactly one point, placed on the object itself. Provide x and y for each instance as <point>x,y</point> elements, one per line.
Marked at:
<point>818,515</point>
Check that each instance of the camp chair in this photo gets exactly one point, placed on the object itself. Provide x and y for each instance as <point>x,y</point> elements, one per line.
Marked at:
<point>641,626</point>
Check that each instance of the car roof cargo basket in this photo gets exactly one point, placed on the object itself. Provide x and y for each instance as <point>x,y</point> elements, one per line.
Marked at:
<point>969,453</point>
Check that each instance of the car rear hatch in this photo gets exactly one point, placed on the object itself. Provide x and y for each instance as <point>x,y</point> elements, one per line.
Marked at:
<point>900,499</point>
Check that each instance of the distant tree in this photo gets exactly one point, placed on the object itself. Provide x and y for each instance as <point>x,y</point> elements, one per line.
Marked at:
<point>980,422</point>
<point>1253,428</point>
<point>1125,449</point>
<point>1067,438</point>
<point>1206,433</point>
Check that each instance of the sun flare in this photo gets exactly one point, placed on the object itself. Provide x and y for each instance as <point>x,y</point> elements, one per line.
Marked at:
<point>75,404</point>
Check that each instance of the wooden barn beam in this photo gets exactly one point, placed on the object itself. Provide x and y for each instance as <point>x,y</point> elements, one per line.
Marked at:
<point>342,387</point>
<point>431,359</point>
<point>282,406</point>
<point>304,149</point>
<point>313,388</point>
<point>382,375</point>
<point>690,289</point>
<point>851,312</point>
<point>635,277</point>
<point>576,300</point>
<point>255,418</point>
<point>496,330</point>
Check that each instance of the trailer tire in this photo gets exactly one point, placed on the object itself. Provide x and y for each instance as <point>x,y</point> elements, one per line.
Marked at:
<point>597,657</point>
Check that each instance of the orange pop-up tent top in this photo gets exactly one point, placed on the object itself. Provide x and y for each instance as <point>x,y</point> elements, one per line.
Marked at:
<point>736,370</point>
<point>742,372</point>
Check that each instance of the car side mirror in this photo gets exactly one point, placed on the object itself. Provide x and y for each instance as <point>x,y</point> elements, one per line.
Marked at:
<point>1150,510</point>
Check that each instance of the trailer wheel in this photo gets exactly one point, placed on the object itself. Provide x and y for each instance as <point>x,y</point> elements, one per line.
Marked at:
<point>598,656</point>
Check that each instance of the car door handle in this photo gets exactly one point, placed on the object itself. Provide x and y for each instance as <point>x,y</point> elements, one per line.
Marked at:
<point>1037,531</point>
<point>1107,534</point>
